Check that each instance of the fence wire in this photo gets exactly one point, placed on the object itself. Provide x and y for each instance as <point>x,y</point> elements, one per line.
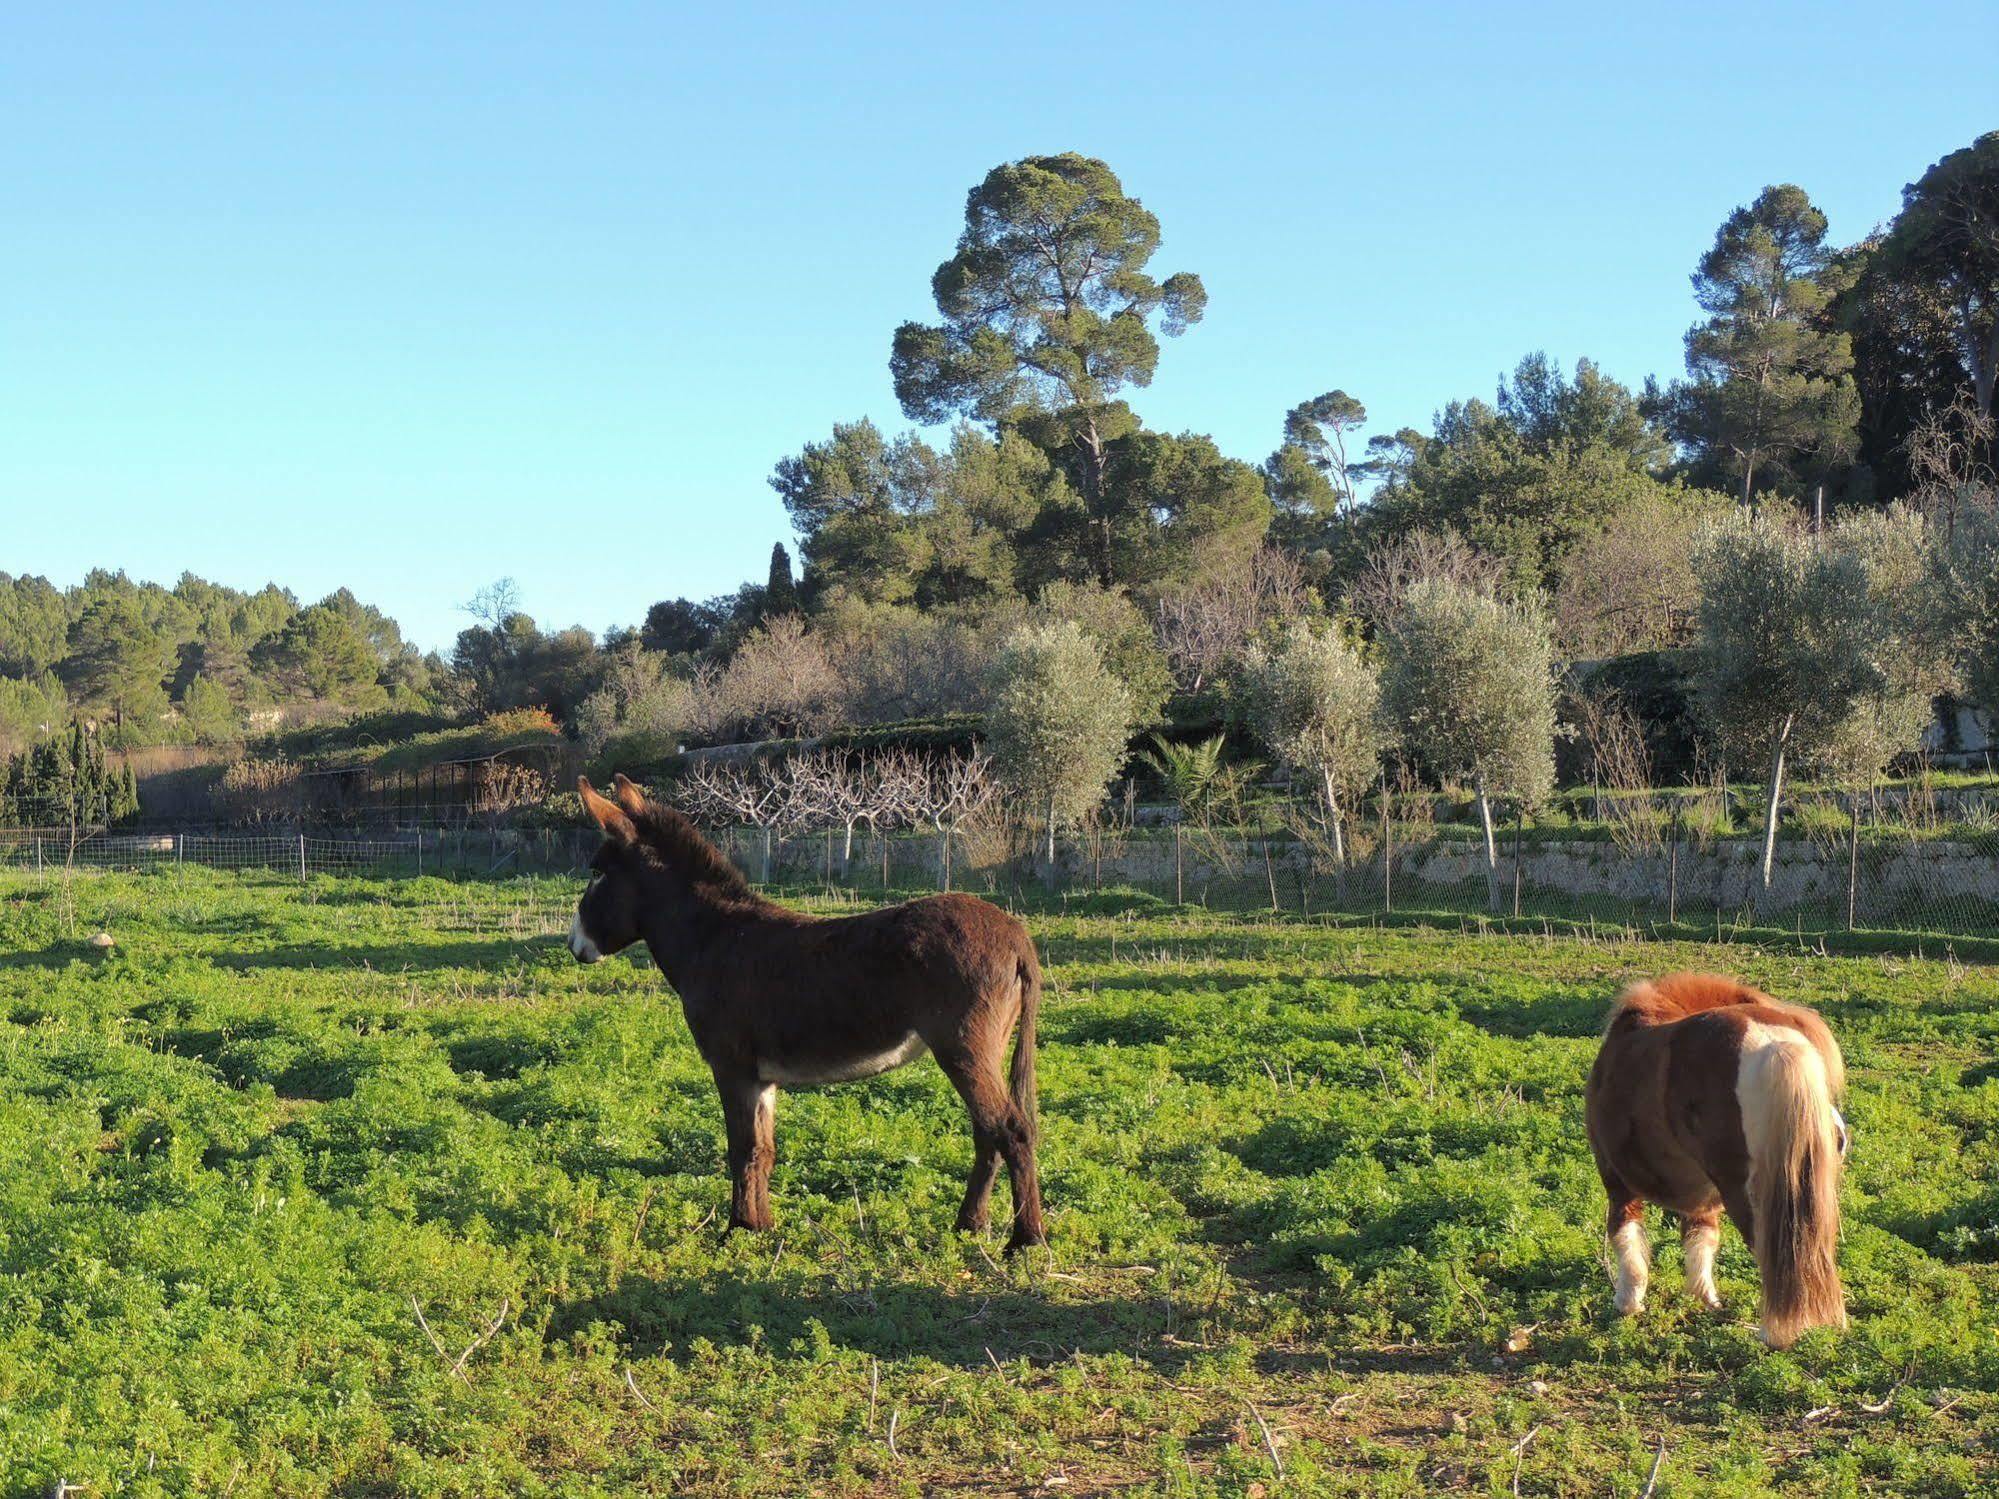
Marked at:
<point>1663,872</point>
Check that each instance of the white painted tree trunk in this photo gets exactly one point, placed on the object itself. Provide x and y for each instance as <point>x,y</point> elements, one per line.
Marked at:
<point>1773,800</point>
<point>1335,825</point>
<point>1491,846</point>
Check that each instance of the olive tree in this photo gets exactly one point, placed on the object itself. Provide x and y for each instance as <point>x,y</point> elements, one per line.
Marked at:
<point>1787,644</point>
<point>1058,722</point>
<point>1315,702</point>
<point>1468,680</point>
<point>1915,636</point>
<point>1974,565</point>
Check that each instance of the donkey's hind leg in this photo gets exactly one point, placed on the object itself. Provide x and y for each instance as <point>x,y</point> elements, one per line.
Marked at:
<point>976,1212</point>
<point>999,1132</point>
<point>1630,1252</point>
<point>1700,1236</point>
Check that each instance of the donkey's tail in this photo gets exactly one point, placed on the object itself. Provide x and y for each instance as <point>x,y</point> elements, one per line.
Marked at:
<point>1792,1132</point>
<point>1023,1046</point>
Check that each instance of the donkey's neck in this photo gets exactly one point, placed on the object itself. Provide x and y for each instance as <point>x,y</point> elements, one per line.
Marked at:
<point>701,898</point>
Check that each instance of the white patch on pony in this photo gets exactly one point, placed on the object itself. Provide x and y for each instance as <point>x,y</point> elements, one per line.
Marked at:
<point>1631,1265</point>
<point>811,1073</point>
<point>1700,1242</point>
<point>1752,1085</point>
<point>581,947</point>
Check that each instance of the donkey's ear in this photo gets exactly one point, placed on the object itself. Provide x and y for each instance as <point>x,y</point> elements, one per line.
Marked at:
<point>606,813</point>
<point>631,797</point>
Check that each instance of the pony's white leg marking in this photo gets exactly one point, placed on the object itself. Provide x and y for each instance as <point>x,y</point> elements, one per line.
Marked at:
<point>1631,1265</point>
<point>580,946</point>
<point>1700,1242</point>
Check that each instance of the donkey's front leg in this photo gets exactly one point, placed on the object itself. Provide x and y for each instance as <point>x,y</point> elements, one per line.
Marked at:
<point>748,1115</point>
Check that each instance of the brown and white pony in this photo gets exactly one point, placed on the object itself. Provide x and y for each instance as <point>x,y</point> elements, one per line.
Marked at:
<point>777,998</point>
<point>1709,1095</point>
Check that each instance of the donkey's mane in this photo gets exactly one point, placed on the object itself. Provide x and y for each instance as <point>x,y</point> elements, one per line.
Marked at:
<point>679,842</point>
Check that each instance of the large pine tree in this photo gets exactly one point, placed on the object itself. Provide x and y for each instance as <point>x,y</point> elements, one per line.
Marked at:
<point>1770,401</point>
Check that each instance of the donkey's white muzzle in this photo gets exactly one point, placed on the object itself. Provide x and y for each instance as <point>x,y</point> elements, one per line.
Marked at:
<point>580,945</point>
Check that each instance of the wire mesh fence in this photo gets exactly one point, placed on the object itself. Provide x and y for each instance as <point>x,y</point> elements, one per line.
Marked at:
<point>450,852</point>
<point>1867,881</point>
<point>1661,866</point>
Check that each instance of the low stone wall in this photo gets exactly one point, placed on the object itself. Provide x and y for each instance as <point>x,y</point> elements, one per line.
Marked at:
<point>1890,876</point>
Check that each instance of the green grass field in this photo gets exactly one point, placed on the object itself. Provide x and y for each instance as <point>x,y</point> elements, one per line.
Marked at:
<point>367,1189</point>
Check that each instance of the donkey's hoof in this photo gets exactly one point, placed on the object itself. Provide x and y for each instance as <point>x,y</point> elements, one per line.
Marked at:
<point>1022,1241</point>
<point>973,1225</point>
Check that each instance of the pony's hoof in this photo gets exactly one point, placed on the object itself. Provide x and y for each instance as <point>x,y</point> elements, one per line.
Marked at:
<point>1709,1298</point>
<point>1630,1303</point>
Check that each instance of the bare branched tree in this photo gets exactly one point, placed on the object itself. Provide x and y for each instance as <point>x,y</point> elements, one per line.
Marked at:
<point>1618,761</point>
<point>1202,628</point>
<point>1443,556</point>
<point>735,793</point>
<point>950,793</point>
<point>1947,454</point>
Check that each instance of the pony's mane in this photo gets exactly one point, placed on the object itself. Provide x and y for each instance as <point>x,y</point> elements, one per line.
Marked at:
<point>1678,995</point>
<point>676,840</point>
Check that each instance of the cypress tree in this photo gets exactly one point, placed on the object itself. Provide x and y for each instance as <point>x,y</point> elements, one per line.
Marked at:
<point>780,593</point>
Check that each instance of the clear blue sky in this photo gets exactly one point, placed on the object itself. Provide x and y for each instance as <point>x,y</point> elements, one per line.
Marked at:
<point>412,297</point>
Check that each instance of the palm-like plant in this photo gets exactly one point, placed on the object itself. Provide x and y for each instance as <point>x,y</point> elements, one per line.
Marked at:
<point>1193,775</point>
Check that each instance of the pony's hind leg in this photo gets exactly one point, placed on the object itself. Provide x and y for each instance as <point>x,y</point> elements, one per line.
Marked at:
<point>1630,1253</point>
<point>1700,1236</point>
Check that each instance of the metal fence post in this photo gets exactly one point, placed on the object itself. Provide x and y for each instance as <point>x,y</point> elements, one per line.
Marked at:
<point>301,858</point>
<point>1387,855</point>
<point>1853,863</point>
<point>1673,872</point>
<point>1519,824</point>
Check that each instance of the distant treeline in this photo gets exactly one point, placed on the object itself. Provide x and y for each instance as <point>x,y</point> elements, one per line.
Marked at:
<point>1831,379</point>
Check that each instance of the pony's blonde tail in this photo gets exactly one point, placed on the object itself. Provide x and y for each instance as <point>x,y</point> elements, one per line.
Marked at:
<point>1792,1132</point>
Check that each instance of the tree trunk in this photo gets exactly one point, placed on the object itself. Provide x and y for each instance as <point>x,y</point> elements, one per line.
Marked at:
<point>1051,843</point>
<point>1773,800</point>
<point>1984,370</point>
<point>1491,847</point>
<point>1096,464</point>
<point>1334,826</point>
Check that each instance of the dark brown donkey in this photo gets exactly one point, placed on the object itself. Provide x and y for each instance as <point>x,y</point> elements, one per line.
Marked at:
<point>774,997</point>
<point>1709,1095</point>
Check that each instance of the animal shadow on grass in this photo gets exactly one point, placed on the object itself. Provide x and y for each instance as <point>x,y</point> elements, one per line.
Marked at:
<point>397,957</point>
<point>889,1321</point>
<point>1577,1016</point>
